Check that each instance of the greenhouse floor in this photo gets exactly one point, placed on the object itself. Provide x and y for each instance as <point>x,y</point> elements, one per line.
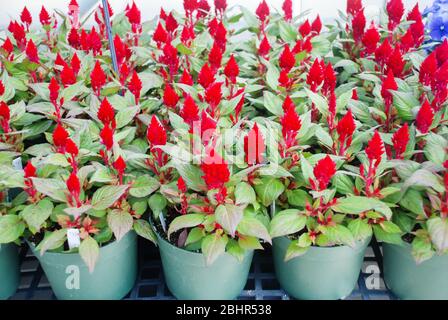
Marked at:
<point>261,284</point>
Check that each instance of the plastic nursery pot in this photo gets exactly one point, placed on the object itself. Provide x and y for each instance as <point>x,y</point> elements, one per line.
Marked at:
<point>188,278</point>
<point>9,270</point>
<point>114,275</point>
<point>323,273</point>
<point>407,280</point>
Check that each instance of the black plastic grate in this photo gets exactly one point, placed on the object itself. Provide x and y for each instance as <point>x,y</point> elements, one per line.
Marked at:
<point>261,284</point>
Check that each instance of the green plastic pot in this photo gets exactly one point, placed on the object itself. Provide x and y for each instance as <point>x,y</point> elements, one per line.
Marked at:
<point>188,278</point>
<point>407,280</point>
<point>114,275</point>
<point>323,273</point>
<point>9,270</point>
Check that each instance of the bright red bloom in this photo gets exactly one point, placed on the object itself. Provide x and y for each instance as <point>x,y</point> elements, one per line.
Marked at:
<point>119,165</point>
<point>400,140</point>
<point>323,171</point>
<point>5,116</point>
<point>358,25</point>
<point>262,11</point>
<point>216,171</point>
<point>396,62</point>
<point>329,78</point>
<point>170,97</point>
<point>170,58</point>
<point>287,104</point>
<point>95,41</point>
<point>395,11</point>
<point>287,9</point>
<point>220,36</point>
<point>71,147</point>
<point>8,46</point>
<point>190,6</point>
<point>383,52</point>
<point>265,47</point>
<point>232,70</point>
<point>203,8</point>
<point>54,90</point>
<point>254,146</point>
<point>354,6</point>
<point>181,185</point>
<point>134,15</point>
<point>206,76</point>
<point>287,59</point>
<point>68,76</point>
<point>315,75</point>
<point>215,56</point>
<point>213,95</point>
<point>106,113</point>
<point>371,38</point>
<point>73,185</point>
<point>305,28</point>
<point>122,50</point>
<point>425,117</point>
<point>160,34</point>
<point>187,34</point>
<point>31,52</point>
<point>107,137</point>
<point>407,41</point>
<point>428,68</point>
<point>2,88</point>
<point>442,52</point>
<point>84,41</point>
<point>73,38</point>
<point>29,170</point>
<point>208,127</point>
<point>156,133</point>
<point>418,27</point>
<point>389,84</point>
<point>316,26</point>
<point>375,148</point>
<point>76,63</point>
<point>59,61</point>
<point>44,17</point>
<point>171,23</point>
<point>345,128</point>
<point>25,16</point>
<point>60,136</point>
<point>190,110</point>
<point>291,124</point>
<point>135,86</point>
<point>283,79</point>
<point>18,32</point>
<point>186,78</point>
<point>97,78</point>
<point>220,5</point>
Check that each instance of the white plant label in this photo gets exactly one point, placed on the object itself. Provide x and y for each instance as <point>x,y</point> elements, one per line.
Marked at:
<point>162,221</point>
<point>73,238</point>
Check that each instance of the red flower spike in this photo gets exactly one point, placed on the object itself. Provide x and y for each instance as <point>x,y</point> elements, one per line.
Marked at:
<point>254,146</point>
<point>262,11</point>
<point>283,79</point>
<point>190,111</point>
<point>316,26</point>
<point>29,170</point>
<point>170,58</point>
<point>221,36</point>
<point>5,116</point>
<point>206,76</point>
<point>213,95</point>
<point>2,88</point>
<point>287,59</point>
<point>215,56</point>
<point>156,133</point>
<point>375,148</point>
<point>73,38</point>
<point>135,86</point>
<point>186,78</point>
<point>383,52</point>
<point>162,13</point>
<point>329,79</point>
<point>208,127</point>
<point>345,128</point>
<point>291,124</point>
<point>216,171</point>
<point>97,78</point>
<point>388,85</point>
<point>44,17</point>
<point>287,104</point>
<point>8,46</point>
<point>187,35</point>
<point>31,52</point>
<point>76,63</point>
<point>418,27</point>
<point>107,137</point>
<point>307,45</point>
<point>26,18</point>
<point>122,50</point>
<point>134,15</point>
<point>370,39</point>
<point>305,28</point>
<point>221,5</point>
<point>332,108</point>
<point>265,47</point>
<point>232,70</point>
<point>395,11</point>
<point>203,8</point>
<point>425,117</point>
<point>287,9</point>
<point>160,34</point>
<point>95,41</point>
<point>171,23</point>
<point>60,136</point>
<point>68,76</point>
<point>400,140</point>
<point>181,185</point>
<point>170,97</point>
<point>213,26</point>
<point>59,61</point>
<point>396,62</point>
<point>442,52</point>
<point>407,41</point>
<point>358,25</point>
<point>190,6</point>
<point>355,94</point>
<point>71,148</point>
<point>315,75</point>
<point>354,6</point>
<point>106,113</point>
<point>323,171</point>
<point>428,69</point>
<point>120,166</point>
<point>54,90</point>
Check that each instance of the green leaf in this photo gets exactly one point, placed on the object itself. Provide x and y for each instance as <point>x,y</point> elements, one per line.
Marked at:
<point>287,222</point>
<point>125,116</point>
<point>52,241</point>
<point>404,102</point>
<point>435,148</point>
<point>157,203</point>
<point>52,188</point>
<point>144,186</point>
<point>272,76</point>
<point>213,246</point>
<point>36,214</point>
<point>269,190</point>
<point>185,221</point>
<point>89,252</point>
<point>305,240</point>
<point>244,193</point>
<point>298,197</point>
<point>390,227</point>
<point>343,183</point>
<point>120,222</point>
<point>358,204</point>
<point>11,228</point>
<point>273,103</point>
<point>235,250</point>
<point>381,235</point>
<point>287,32</point>
<point>195,235</point>
<point>339,234</point>
<point>106,196</point>
<point>102,175</point>
<point>438,230</point>
<point>250,226</point>
<point>424,178</point>
<point>307,169</point>
<point>319,101</point>
<point>422,250</point>
<point>229,216</point>
<point>144,230</point>
<point>294,250</point>
<point>360,229</point>
<point>249,243</point>
<point>413,201</point>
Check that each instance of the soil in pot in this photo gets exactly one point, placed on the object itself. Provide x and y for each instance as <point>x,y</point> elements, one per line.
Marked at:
<point>9,270</point>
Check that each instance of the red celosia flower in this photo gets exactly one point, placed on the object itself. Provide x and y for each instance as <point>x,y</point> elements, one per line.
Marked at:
<point>44,17</point>
<point>395,11</point>
<point>8,46</point>
<point>265,47</point>
<point>186,78</point>
<point>181,185</point>
<point>287,59</point>
<point>400,140</point>
<point>190,110</point>
<point>170,97</point>
<point>216,171</point>
<point>291,124</point>
<point>307,45</point>
<point>262,11</point>
<point>232,70</point>
<point>425,117</point>
<point>68,76</point>
<point>120,166</point>
<point>316,26</point>
<point>26,18</point>
<point>388,85</point>
<point>2,88</point>
<point>170,57</point>
<point>315,75</point>
<point>213,26</point>
<point>54,90</point>
<point>60,136</point>
<point>206,76</point>
<point>18,32</point>
<point>5,116</point>
<point>428,69</point>
<point>171,23</point>
<point>74,187</point>
<point>355,94</point>
<point>354,6</point>
<point>383,52</point>
<point>208,127</point>
<point>84,41</point>
<point>134,15</point>
<point>156,133</point>
<point>375,148</point>
<point>213,95</point>
<point>124,73</point>
<point>29,170</point>
<point>122,50</point>
<point>160,34</point>
<point>407,41</point>
<point>95,41</point>
<point>190,6</point>
<point>329,78</point>
<point>187,34</point>
<point>221,5</point>
<point>418,27</point>
<point>287,9</point>
<point>203,8</point>
<point>358,25</point>
<point>287,104</point>
<point>106,113</point>
<point>370,39</point>
<point>31,52</point>
<point>442,52</point>
<point>73,38</point>
<point>215,56</point>
<point>220,36</point>
<point>71,147</point>
<point>59,61</point>
<point>135,86</point>
<point>345,128</point>
<point>107,137</point>
<point>283,79</point>
<point>76,63</point>
<point>97,78</point>
<point>254,146</point>
<point>305,28</point>
<point>323,171</point>
<point>396,62</point>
